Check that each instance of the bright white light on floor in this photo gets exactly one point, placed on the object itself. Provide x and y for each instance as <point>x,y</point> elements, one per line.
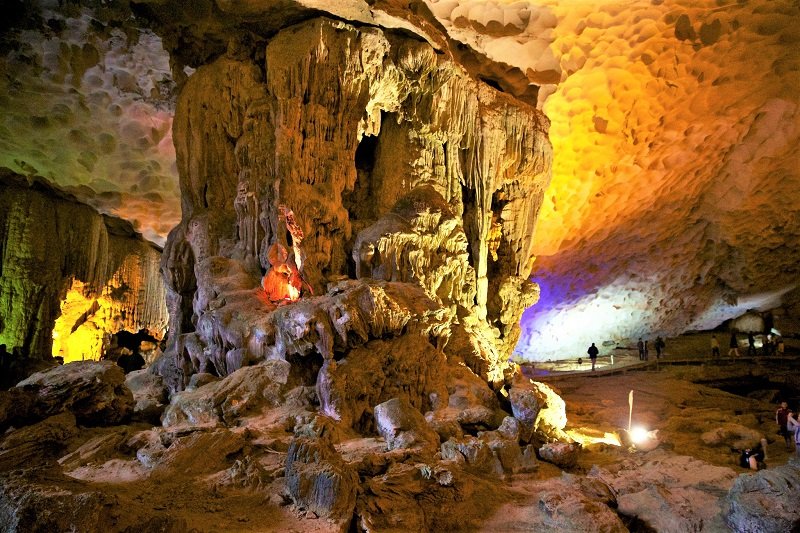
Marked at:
<point>639,435</point>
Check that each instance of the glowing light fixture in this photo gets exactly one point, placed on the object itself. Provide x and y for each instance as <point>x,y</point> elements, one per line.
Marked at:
<point>639,435</point>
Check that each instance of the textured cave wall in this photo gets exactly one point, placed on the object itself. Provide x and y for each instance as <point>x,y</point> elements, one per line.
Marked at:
<point>86,101</point>
<point>65,266</point>
<point>676,128</point>
<point>353,127</point>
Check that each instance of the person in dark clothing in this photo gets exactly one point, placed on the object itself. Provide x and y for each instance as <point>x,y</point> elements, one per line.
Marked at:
<point>660,344</point>
<point>767,344</point>
<point>782,419</point>
<point>751,344</point>
<point>640,345</point>
<point>734,345</point>
<point>593,351</point>
<point>750,458</point>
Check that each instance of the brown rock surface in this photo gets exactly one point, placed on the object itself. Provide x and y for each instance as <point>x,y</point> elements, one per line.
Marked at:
<point>94,392</point>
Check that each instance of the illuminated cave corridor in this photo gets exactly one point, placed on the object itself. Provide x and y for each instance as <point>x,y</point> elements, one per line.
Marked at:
<point>362,246</point>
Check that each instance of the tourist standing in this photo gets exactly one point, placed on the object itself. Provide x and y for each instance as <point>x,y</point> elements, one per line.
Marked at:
<point>640,345</point>
<point>751,344</point>
<point>593,351</point>
<point>734,345</point>
<point>714,346</point>
<point>782,419</point>
<point>660,345</point>
<point>768,344</point>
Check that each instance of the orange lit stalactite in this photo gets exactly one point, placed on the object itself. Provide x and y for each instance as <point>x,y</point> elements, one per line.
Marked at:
<point>284,281</point>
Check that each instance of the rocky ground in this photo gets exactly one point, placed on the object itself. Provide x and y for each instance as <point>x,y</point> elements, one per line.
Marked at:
<point>247,454</point>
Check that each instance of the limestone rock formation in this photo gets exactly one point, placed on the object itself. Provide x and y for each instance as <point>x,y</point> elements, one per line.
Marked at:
<point>72,278</point>
<point>95,392</point>
<point>319,481</point>
<point>563,454</point>
<point>539,410</point>
<point>395,163</point>
<point>666,154</point>
<point>765,501</point>
<point>225,400</point>
<point>402,426</point>
<point>150,394</point>
<point>407,368</point>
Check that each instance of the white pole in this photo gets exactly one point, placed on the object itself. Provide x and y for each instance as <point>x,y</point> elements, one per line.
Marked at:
<point>630,409</point>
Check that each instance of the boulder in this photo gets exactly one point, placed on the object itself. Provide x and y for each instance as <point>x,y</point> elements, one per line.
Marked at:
<point>38,443</point>
<point>320,427</point>
<point>661,508</point>
<point>446,428</point>
<point>149,447</point>
<point>513,459</point>
<point>668,492</point>
<point>318,480</point>
<point>196,453</point>
<point>49,501</point>
<point>407,367</point>
<point>243,392</point>
<point>16,408</point>
<point>474,452</point>
<point>403,426</point>
<point>766,500</point>
<point>566,507</point>
<point>556,504</point>
<point>95,392</point>
<point>540,410</point>
<point>561,454</point>
<point>200,379</point>
<point>510,428</point>
<point>732,435</point>
<point>469,405</point>
<point>44,500</point>
<point>392,502</point>
<point>103,444</point>
<point>149,395</point>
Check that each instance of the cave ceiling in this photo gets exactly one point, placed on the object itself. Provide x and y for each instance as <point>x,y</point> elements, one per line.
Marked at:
<point>675,126</point>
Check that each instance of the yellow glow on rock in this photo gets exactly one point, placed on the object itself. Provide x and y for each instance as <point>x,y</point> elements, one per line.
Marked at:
<point>75,337</point>
<point>587,436</point>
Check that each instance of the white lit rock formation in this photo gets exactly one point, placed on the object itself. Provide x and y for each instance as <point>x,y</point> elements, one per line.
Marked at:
<point>675,128</point>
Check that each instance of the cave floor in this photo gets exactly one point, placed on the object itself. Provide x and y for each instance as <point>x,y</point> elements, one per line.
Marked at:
<point>698,427</point>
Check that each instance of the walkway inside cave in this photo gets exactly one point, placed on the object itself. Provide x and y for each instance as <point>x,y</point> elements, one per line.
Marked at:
<point>692,349</point>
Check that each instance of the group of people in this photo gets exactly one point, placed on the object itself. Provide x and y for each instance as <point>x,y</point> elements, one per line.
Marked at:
<point>771,345</point>
<point>644,351</point>
<point>788,428</point>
